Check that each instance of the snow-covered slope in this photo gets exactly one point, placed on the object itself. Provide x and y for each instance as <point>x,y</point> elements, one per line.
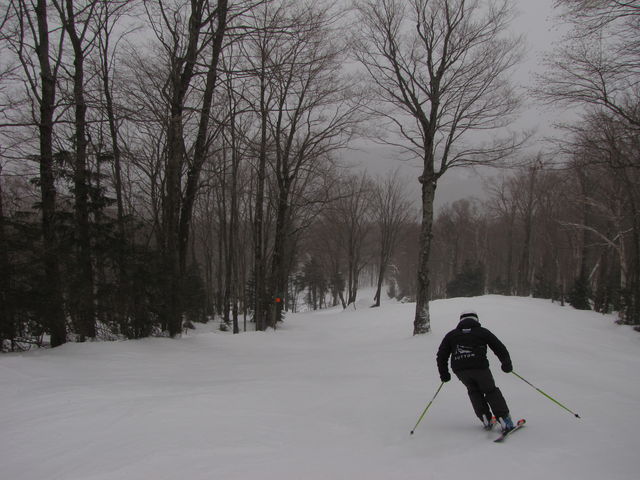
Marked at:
<point>331,395</point>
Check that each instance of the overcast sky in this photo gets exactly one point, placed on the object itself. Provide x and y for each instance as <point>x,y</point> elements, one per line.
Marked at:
<point>536,22</point>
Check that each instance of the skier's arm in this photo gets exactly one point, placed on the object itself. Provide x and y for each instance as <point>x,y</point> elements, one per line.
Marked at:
<point>442,359</point>
<point>500,350</point>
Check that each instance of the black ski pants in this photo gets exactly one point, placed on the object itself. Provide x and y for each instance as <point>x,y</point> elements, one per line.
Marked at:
<point>484,395</point>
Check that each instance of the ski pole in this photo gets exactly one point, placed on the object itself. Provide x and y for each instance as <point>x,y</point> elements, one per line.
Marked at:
<point>548,396</point>
<point>427,407</point>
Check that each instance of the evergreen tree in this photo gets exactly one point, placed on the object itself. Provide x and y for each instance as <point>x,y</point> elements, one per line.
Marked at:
<point>469,282</point>
<point>580,294</point>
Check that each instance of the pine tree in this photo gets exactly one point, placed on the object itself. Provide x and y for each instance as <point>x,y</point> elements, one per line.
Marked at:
<point>580,294</point>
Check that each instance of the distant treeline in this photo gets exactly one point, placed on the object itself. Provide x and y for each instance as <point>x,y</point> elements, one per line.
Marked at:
<point>163,164</point>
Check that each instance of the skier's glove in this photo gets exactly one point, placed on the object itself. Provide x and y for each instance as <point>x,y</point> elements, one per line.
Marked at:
<point>445,377</point>
<point>506,368</point>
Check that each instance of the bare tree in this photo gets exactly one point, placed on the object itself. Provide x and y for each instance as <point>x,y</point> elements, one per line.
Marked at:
<point>108,39</point>
<point>325,242</point>
<point>598,63</point>
<point>352,215</point>
<point>597,13</point>
<point>234,139</point>
<point>27,32</point>
<point>503,207</point>
<point>7,317</point>
<point>439,69</point>
<point>267,24</point>
<point>76,20</point>
<point>603,149</point>
<point>314,115</point>
<point>185,44</point>
<point>597,68</point>
<point>526,204</point>
<point>391,209</point>
<point>7,314</point>
<point>305,111</point>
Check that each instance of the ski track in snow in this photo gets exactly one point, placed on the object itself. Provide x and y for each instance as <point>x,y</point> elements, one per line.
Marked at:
<point>329,395</point>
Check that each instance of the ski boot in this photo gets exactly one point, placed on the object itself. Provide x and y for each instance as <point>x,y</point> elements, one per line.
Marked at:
<point>506,423</point>
<point>488,422</point>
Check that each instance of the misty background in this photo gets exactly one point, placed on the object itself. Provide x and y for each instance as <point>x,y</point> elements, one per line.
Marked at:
<point>167,163</point>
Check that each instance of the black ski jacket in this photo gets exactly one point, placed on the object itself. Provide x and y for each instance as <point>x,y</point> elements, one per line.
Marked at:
<point>467,347</point>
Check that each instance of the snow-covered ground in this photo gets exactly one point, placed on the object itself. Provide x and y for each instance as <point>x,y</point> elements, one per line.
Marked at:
<point>330,395</point>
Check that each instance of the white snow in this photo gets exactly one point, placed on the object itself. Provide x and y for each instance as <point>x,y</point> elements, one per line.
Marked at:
<point>330,395</point>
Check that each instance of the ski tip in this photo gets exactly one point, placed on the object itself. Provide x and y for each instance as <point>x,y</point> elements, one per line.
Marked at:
<point>522,421</point>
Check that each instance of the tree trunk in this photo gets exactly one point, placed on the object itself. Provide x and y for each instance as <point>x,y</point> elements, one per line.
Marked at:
<point>225,243</point>
<point>585,234</point>
<point>7,325</point>
<point>171,215</point>
<point>381,274</point>
<point>524,267</point>
<point>85,327</point>
<point>122,287</point>
<point>177,216</point>
<point>632,313</point>
<point>201,148</point>
<point>278,260</point>
<point>510,231</point>
<point>258,236</point>
<point>52,288</point>
<point>222,242</point>
<point>233,234</point>
<point>422,321</point>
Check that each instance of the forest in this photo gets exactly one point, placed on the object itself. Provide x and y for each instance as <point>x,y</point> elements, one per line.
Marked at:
<point>177,161</point>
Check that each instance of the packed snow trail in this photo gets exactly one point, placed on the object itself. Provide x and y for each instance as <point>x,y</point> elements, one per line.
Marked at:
<point>330,395</point>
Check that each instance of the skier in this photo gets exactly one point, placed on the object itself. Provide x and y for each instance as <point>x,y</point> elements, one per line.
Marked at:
<point>467,347</point>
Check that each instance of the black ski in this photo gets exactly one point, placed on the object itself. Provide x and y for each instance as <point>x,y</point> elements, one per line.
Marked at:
<point>504,435</point>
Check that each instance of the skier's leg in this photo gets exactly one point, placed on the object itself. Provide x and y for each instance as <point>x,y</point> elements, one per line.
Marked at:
<point>478,402</point>
<point>491,393</point>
